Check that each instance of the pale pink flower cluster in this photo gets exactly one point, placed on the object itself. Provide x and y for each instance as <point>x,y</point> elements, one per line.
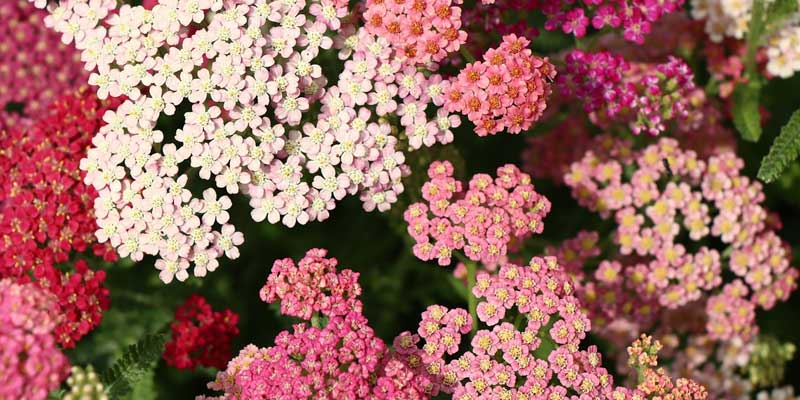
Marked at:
<point>260,119</point>
<point>671,208</point>
<point>31,364</point>
<point>483,220</point>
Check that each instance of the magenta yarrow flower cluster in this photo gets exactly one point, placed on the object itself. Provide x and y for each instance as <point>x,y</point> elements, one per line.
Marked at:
<point>31,363</point>
<point>35,67</point>
<point>644,96</point>
<point>341,360</point>
<point>635,17</point>
<point>504,92</point>
<point>482,220</point>
<point>262,119</point>
<point>674,202</point>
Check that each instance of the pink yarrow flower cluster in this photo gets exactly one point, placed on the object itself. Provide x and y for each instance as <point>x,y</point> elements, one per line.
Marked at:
<point>505,91</point>
<point>30,362</point>
<point>673,203</point>
<point>634,17</point>
<point>483,219</point>
<point>248,75</point>
<point>646,97</point>
<point>341,360</point>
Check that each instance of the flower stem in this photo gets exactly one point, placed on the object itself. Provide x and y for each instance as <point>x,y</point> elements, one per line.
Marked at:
<point>466,54</point>
<point>316,320</point>
<point>472,301</point>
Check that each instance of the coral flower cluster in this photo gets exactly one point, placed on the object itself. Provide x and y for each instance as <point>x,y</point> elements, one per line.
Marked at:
<point>46,217</point>
<point>260,119</point>
<point>35,67</point>
<point>672,211</point>
<point>30,362</point>
<point>644,96</point>
<point>341,360</point>
<point>482,220</point>
<point>200,336</point>
<point>506,91</point>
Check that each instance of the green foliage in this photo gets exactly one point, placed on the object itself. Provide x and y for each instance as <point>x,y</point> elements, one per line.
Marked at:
<point>746,116</point>
<point>783,152</point>
<point>777,11</point>
<point>136,364</point>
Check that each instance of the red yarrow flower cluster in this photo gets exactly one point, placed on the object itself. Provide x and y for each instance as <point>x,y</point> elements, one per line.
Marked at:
<point>312,286</point>
<point>420,31</point>
<point>31,365</point>
<point>505,91</point>
<point>644,96</point>
<point>35,67</point>
<point>634,17</point>
<point>484,221</point>
<point>337,357</point>
<point>46,218</point>
<point>200,336</point>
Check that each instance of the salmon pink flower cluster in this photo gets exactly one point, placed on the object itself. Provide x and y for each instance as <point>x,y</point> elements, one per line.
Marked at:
<point>200,335</point>
<point>260,119</point>
<point>646,97</point>
<point>46,217</point>
<point>504,92</point>
<point>343,359</point>
<point>35,67</point>
<point>671,211</point>
<point>31,363</point>
<point>482,220</point>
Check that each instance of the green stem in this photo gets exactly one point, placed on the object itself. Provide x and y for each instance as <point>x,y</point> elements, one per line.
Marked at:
<point>316,321</point>
<point>466,54</point>
<point>472,301</point>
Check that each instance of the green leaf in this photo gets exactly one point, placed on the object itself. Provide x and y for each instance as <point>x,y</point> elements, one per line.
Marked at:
<point>784,150</point>
<point>778,10</point>
<point>136,363</point>
<point>746,117</point>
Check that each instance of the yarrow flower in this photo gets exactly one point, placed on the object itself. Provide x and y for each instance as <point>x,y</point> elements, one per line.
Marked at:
<point>312,286</point>
<point>505,91</point>
<point>35,67</point>
<point>670,211</point>
<point>200,336</point>
<point>644,96</point>
<point>31,363</point>
<point>633,17</point>
<point>47,217</point>
<point>337,357</point>
<point>85,384</point>
<point>483,219</point>
<point>260,119</point>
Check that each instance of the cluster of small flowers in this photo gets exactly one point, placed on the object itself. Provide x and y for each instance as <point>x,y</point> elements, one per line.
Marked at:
<point>504,92</point>
<point>30,362</point>
<point>673,34</point>
<point>200,336</point>
<point>342,360</point>
<point>222,62</point>
<point>312,286</point>
<point>542,158</point>
<point>671,191</point>
<point>645,96</point>
<point>574,252</point>
<point>634,17</point>
<point>781,393</point>
<point>47,217</point>
<point>35,67</point>
<point>726,19</point>
<point>420,31</point>
<point>85,384</point>
<point>654,383</point>
<point>542,360</point>
<point>483,221</point>
<point>485,22</point>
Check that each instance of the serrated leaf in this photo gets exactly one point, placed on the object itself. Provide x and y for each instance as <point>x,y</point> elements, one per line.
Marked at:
<point>134,365</point>
<point>746,117</point>
<point>778,10</point>
<point>784,150</point>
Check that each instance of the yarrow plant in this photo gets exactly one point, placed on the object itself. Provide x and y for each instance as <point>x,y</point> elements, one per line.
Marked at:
<point>46,219</point>
<point>504,92</point>
<point>200,335</point>
<point>482,220</point>
<point>337,356</point>
<point>644,96</point>
<point>35,67</point>
<point>31,363</point>
<point>671,210</point>
<point>260,119</point>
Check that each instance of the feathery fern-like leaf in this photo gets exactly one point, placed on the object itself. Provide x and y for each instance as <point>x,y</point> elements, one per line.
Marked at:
<point>784,150</point>
<point>135,363</point>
